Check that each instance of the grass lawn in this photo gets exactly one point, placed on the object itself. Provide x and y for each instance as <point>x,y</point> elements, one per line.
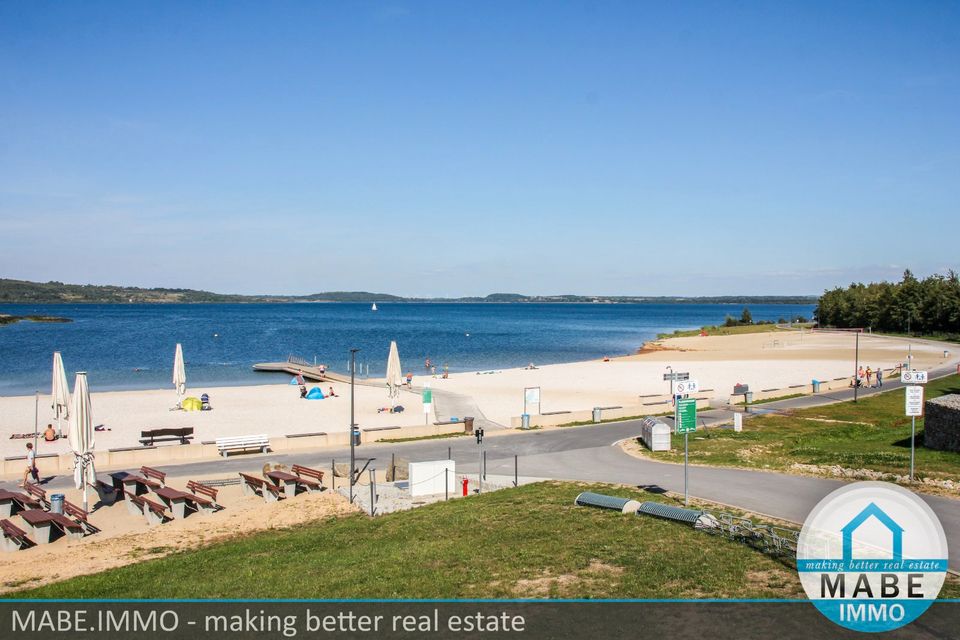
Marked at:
<point>871,434</point>
<point>725,331</point>
<point>527,542</point>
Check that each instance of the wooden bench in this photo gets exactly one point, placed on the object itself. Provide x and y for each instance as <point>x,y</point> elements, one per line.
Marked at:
<point>105,492</point>
<point>315,483</point>
<point>79,516</point>
<point>254,486</point>
<point>42,523</point>
<point>153,474</point>
<point>14,538</point>
<point>153,512</point>
<point>13,501</point>
<point>243,443</point>
<point>209,494</point>
<point>183,434</point>
<point>37,494</point>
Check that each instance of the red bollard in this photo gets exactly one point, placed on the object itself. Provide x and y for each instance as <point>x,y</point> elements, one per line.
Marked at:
<point>465,481</point>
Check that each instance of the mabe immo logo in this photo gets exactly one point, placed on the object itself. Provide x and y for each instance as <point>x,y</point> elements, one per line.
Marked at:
<point>872,556</point>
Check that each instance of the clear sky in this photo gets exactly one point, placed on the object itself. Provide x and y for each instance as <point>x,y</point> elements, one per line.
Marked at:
<point>461,148</point>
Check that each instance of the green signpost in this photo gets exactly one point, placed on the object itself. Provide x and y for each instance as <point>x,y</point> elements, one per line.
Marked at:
<point>686,415</point>
<point>685,421</point>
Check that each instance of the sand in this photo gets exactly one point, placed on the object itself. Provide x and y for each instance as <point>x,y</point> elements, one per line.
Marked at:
<point>125,538</point>
<point>762,360</point>
<point>274,409</point>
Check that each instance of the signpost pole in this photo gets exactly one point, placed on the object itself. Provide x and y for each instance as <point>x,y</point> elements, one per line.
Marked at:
<point>913,437</point>
<point>686,490</point>
<point>913,408</point>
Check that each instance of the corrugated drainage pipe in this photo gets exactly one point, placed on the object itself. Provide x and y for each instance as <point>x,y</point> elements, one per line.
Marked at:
<point>623,505</point>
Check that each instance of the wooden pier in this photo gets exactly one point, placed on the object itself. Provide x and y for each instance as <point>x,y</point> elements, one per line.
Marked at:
<point>295,366</point>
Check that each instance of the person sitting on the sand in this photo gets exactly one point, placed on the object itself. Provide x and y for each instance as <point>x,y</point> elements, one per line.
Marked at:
<point>303,391</point>
<point>49,434</point>
<point>205,402</point>
<point>332,394</point>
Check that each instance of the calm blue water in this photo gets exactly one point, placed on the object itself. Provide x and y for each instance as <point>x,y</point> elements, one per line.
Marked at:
<point>131,346</point>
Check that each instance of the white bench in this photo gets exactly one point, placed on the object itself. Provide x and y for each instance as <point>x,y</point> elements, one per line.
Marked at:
<point>242,443</point>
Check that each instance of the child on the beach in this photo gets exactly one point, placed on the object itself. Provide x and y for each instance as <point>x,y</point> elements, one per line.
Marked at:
<point>31,469</point>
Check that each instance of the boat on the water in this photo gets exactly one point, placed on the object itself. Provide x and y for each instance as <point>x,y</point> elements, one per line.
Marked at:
<point>374,307</point>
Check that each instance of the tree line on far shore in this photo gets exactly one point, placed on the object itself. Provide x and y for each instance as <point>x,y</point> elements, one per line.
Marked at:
<point>928,306</point>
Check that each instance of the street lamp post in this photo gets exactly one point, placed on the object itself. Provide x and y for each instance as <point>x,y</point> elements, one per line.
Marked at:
<point>353,423</point>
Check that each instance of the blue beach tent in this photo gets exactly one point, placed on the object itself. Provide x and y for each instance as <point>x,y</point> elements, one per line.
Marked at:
<point>315,394</point>
<point>293,381</point>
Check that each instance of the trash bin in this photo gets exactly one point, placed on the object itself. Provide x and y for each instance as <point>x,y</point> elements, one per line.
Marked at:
<point>946,354</point>
<point>356,437</point>
<point>816,385</point>
<point>596,414</point>
<point>748,397</point>
<point>468,424</point>
<point>56,503</point>
<point>525,421</point>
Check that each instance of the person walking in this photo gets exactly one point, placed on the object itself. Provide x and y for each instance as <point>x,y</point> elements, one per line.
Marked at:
<point>879,377</point>
<point>869,376</point>
<point>31,469</point>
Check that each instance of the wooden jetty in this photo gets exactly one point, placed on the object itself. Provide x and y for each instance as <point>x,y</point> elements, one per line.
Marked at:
<point>294,366</point>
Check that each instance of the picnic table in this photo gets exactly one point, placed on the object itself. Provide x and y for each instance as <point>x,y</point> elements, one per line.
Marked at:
<point>287,481</point>
<point>176,500</point>
<point>41,522</point>
<point>11,499</point>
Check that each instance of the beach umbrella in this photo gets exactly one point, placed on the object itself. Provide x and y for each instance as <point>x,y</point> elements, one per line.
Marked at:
<point>179,373</point>
<point>81,436</point>
<point>394,372</point>
<point>60,392</point>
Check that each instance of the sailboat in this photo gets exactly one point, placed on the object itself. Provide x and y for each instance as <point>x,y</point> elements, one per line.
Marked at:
<point>374,307</point>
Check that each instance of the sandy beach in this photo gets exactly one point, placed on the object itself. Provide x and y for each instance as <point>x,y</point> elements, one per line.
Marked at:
<point>274,409</point>
<point>763,360</point>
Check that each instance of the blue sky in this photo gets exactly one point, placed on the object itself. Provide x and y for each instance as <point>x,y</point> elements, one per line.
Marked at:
<point>459,148</point>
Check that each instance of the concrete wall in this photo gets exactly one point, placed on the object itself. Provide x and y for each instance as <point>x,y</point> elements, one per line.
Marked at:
<point>941,424</point>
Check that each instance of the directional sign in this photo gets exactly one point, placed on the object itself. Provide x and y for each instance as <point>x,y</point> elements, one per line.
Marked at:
<point>685,386</point>
<point>677,375</point>
<point>913,377</point>
<point>686,417</point>
<point>914,401</point>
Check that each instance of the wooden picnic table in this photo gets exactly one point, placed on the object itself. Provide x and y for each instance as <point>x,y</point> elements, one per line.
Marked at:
<point>287,481</point>
<point>10,498</point>
<point>41,522</point>
<point>124,479</point>
<point>175,500</point>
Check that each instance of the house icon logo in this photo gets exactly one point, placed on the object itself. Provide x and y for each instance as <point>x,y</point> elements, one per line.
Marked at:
<point>872,511</point>
<point>872,556</point>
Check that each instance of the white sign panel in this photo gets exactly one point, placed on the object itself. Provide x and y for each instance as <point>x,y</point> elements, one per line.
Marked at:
<point>914,401</point>
<point>431,478</point>
<point>531,395</point>
<point>913,377</point>
<point>682,387</point>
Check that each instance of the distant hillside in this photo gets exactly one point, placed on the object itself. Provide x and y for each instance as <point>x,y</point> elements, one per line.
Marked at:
<point>24,292</point>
